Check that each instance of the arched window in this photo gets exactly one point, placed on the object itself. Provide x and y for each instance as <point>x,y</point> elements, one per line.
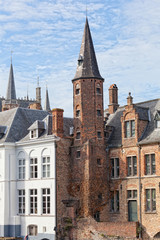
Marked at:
<point>32,230</point>
<point>77,111</point>
<point>99,114</point>
<point>77,89</point>
<point>21,165</point>
<point>98,89</point>
<point>78,133</point>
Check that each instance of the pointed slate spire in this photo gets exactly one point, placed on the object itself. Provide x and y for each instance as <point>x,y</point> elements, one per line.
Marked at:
<point>11,92</point>
<point>87,63</point>
<point>47,104</point>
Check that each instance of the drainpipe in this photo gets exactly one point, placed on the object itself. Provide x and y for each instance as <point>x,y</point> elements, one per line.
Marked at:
<point>55,149</point>
<point>139,181</point>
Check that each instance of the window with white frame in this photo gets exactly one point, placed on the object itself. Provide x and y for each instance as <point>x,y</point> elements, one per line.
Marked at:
<point>46,166</point>
<point>33,201</point>
<point>33,133</point>
<point>21,168</point>
<point>33,167</point>
<point>46,201</point>
<point>21,201</point>
<point>130,128</point>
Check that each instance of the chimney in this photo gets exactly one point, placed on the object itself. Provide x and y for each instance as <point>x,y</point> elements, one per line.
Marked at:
<point>113,98</point>
<point>129,99</point>
<point>57,122</point>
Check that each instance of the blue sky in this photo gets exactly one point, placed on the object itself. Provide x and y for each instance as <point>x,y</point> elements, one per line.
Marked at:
<point>45,37</point>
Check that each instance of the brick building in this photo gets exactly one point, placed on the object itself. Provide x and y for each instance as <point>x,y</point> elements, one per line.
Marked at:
<point>111,179</point>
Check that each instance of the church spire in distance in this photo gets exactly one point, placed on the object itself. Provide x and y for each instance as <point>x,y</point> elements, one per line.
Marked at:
<point>11,92</point>
<point>87,62</point>
<point>47,104</point>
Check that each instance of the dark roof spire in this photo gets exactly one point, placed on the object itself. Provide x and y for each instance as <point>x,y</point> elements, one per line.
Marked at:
<point>11,92</point>
<point>87,63</point>
<point>47,104</point>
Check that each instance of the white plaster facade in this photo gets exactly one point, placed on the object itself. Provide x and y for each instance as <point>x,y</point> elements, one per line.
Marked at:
<point>12,222</point>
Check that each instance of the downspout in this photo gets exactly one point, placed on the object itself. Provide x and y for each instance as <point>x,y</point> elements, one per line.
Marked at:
<point>55,228</point>
<point>139,186</point>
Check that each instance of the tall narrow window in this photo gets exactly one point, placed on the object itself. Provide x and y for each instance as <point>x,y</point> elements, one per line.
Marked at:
<point>33,168</point>
<point>150,200</point>
<point>114,201</point>
<point>99,134</point>
<point>33,201</point>
<point>99,113</point>
<point>115,167</point>
<point>78,134</point>
<point>98,89</point>
<point>46,202</point>
<point>77,89</point>
<point>130,129</point>
<point>150,164</point>
<point>132,165</point>
<point>46,166</point>
<point>21,201</point>
<point>21,168</point>
<point>77,111</point>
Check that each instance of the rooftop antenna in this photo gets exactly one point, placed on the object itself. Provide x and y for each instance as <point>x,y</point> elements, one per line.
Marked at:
<point>38,81</point>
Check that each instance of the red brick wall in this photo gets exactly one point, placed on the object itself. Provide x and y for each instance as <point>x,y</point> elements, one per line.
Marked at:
<point>57,122</point>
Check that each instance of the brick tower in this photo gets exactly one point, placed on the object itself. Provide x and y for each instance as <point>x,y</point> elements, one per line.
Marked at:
<point>88,171</point>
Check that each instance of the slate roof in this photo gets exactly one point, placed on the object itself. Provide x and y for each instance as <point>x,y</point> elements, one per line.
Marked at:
<point>147,111</point>
<point>37,125</point>
<point>87,63</point>
<point>11,92</point>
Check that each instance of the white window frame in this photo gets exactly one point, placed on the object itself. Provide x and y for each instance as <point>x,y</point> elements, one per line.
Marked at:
<point>47,166</point>
<point>46,201</point>
<point>33,201</point>
<point>34,167</point>
<point>21,168</point>
<point>21,201</point>
<point>33,133</point>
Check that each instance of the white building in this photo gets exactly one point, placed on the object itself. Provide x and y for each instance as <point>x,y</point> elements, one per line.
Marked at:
<point>27,174</point>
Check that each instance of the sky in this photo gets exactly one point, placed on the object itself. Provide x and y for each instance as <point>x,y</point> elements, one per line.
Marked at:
<point>45,37</point>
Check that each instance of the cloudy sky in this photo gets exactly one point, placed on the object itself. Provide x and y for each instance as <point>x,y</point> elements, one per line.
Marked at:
<point>45,37</point>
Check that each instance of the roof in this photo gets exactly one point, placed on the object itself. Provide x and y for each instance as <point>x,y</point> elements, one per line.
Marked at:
<point>11,92</point>
<point>37,125</point>
<point>87,62</point>
<point>147,112</point>
<point>47,103</point>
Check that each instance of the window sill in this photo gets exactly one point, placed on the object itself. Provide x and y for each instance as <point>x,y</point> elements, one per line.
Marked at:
<point>115,178</point>
<point>150,175</point>
<point>114,212</point>
<point>154,212</point>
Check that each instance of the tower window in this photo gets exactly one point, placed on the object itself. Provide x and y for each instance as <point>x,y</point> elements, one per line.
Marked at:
<point>78,113</point>
<point>97,216</point>
<point>100,196</point>
<point>78,135</point>
<point>99,113</point>
<point>78,154</point>
<point>99,134</point>
<point>80,60</point>
<point>77,89</point>
<point>98,89</point>
<point>99,162</point>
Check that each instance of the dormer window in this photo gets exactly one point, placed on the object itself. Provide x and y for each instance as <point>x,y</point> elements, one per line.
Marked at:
<point>3,130</point>
<point>33,133</point>
<point>80,60</point>
<point>158,123</point>
<point>130,128</point>
<point>157,119</point>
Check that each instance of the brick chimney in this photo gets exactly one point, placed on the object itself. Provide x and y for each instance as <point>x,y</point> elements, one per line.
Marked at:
<point>113,98</point>
<point>57,122</point>
<point>129,99</point>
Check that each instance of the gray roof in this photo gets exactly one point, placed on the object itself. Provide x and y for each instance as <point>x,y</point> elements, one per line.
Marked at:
<point>37,125</point>
<point>17,121</point>
<point>47,103</point>
<point>87,67</point>
<point>147,112</point>
<point>11,92</point>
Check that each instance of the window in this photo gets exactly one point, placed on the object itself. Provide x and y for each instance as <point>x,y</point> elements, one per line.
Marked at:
<point>115,167</point>
<point>78,134</point>
<point>33,133</point>
<point>21,201</point>
<point>100,196</point>
<point>77,89</point>
<point>97,216</point>
<point>21,168</point>
<point>33,168</point>
<point>33,201</point>
<point>99,134</point>
<point>32,230</point>
<point>98,89</point>
<point>130,129</point>
<point>158,123</point>
<point>132,165</point>
<point>99,113</point>
<point>131,194</point>
<point>115,201</point>
<point>78,154</point>
<point>46,167</point>
<point>99,162</point>
<point>77,113</point>
<point>46,200</point>
<point>150,200</point>
<point>150,165</point>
